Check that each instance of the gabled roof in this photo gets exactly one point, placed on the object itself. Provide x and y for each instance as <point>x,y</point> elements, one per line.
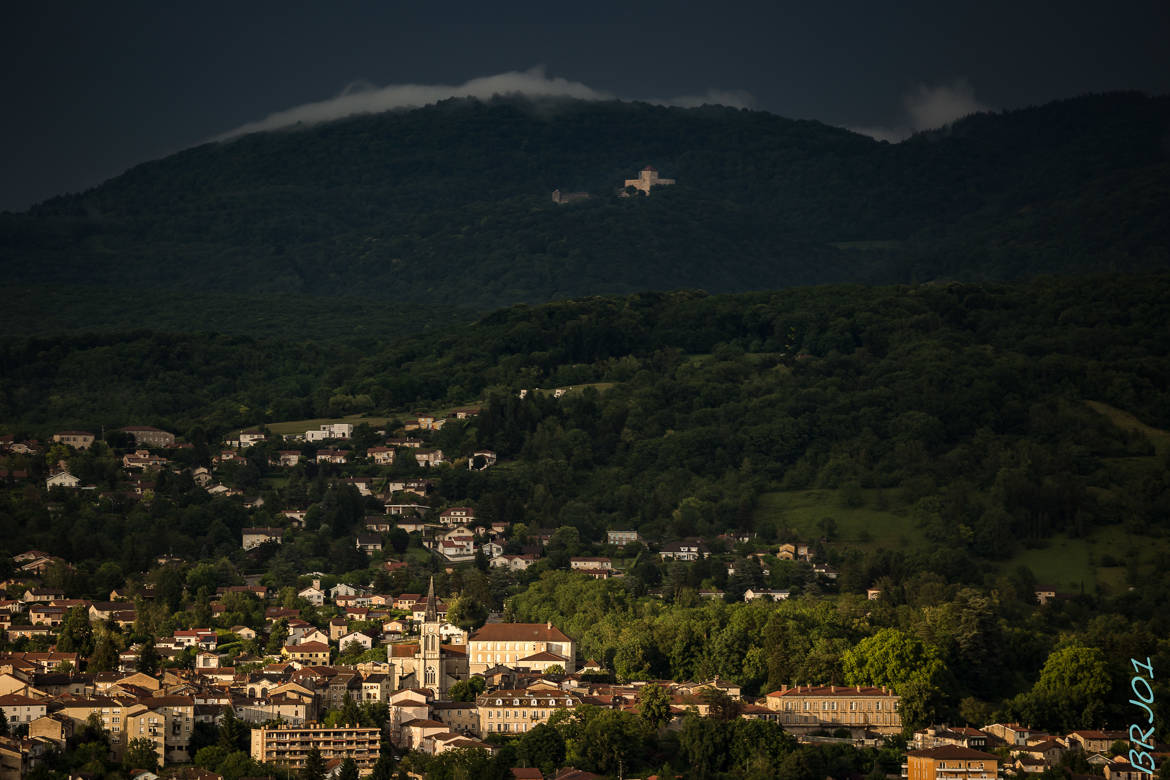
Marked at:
<point>519,632</point>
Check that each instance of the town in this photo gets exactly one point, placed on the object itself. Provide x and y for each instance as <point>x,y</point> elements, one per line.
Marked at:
<point>341,673</point>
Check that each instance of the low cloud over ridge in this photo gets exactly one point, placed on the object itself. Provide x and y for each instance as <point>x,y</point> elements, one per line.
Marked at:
<point>364,98</point>
<point>928,108</point>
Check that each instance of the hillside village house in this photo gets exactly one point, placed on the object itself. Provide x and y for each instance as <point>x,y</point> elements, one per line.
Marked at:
<point>597,567</point>
<point>332,456</point>
<point>288,458</point>
<point>457,515</point>
<point>428,457</point>
<point>382,456</point>
<point>254,537</point>
<point>330,431</point>
<point>251,437</point>
<point>146,436</point>
<point>62,479</point>
<point>622,538</point>
<point>78,440</point>
<point>806,708</point>
<point>687,550</point>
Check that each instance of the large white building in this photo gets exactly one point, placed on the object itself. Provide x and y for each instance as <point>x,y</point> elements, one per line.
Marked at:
<point>330,431</point>
<point>521,646</point>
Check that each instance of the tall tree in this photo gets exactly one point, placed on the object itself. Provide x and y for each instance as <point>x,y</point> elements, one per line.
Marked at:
<point>314,768</point>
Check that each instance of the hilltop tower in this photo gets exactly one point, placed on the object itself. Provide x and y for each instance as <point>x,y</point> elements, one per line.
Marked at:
<point>647,178</point>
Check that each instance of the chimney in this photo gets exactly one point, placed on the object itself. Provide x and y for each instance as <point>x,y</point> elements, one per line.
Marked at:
<point>317,584</point>
<point>548,625</point>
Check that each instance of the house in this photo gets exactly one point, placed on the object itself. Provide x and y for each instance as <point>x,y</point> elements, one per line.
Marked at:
<point>622,538</point>
<point>950,762</point>
<point>597,567</point>
<point>647,179</point>
<point>805,708</point>
<point>420,487</point>
<point>1045,594</point>
<point>513,562</point>
<point>775,595</point>
<point>288,458</point>
<point>307,654</point>
<point>78,440</point>
<point>963,736</point>
<point>313,594</point>
<point>794,551</point>
<point>62,479</point>
<point>825,570</point>
<point>429,422</point>
<point>410,443</point>
<point>873,594</point>
<point>332,456</point>
<point>369,542</point>
<point>330,431</point>
<point>460,548</point>
<point>251,437</point>
<point>364,640</point>
<point>467,412</point>
<point>142,459</point>
<point>1092,741</point>
<point>405,510</point>
<point>687,550</point>
<point>364,485</point>
<point>383,456</point>
<point>146,436</point>
<point>254,537</point>
<point>457,515</point>
<point>428,457</point>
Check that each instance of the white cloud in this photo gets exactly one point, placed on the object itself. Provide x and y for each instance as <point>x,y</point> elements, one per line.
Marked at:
<point>928,108</point>
<point>931,107</point>
<point>361,97</point>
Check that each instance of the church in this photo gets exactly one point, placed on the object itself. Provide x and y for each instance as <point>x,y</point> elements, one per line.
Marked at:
<point>428,663</point>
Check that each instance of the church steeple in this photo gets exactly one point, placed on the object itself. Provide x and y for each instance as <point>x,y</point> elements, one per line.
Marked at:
<point>431,615</point>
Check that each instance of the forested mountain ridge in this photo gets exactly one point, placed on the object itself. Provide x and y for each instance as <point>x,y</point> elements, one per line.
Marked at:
<point>451,204</point>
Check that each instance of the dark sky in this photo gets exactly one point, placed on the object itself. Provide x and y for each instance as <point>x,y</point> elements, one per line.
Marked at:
<point>93,88</point>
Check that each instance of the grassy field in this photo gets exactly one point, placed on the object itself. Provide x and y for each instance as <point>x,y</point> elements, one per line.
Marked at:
<point>300,426</point>
<point>865,526</point>
<point>1064,563</point>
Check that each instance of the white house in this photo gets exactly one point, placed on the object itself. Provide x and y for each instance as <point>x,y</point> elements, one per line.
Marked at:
<point>62,479</point>
<point>330,431</point>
